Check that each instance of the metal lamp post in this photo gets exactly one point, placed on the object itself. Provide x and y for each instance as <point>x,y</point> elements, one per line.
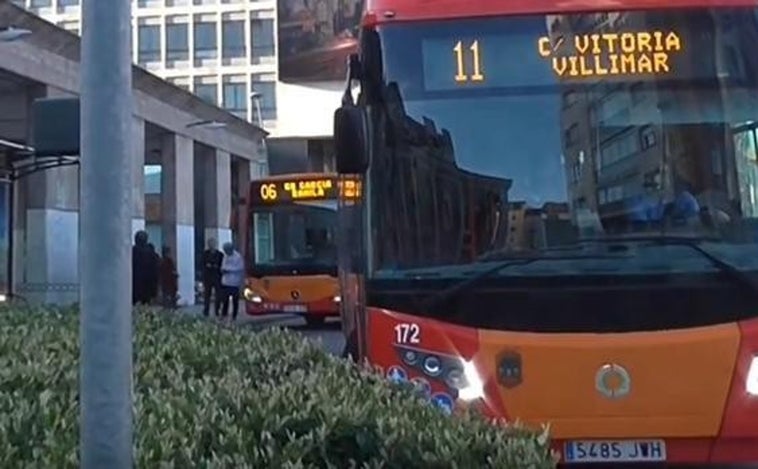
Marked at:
<point>105,232</point>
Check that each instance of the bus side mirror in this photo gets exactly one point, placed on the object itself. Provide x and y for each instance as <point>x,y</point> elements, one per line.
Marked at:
<point>350,140</point>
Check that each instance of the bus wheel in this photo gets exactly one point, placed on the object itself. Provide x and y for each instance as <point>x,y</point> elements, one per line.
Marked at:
<point>314,321</point>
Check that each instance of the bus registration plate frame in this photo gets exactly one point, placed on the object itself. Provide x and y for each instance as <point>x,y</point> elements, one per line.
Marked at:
<point>622,451</point>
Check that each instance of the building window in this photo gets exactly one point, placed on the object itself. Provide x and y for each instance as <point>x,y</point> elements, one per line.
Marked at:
<point>235,99</point>
<point>613,104</point>
<point>647,137</point>
<point>637,91</point>
<point>611,194</point>
<point>68,3</point>
<point>152,179</point>
<point>569,98</point>
<point>572,135</point>
<point>267,90</point>
<point>576,172</point>
<point>177,41</point>
<point>149,37</point>
<point>618,148</point>
<point>207,92</point>
<point>70,26</point>
<point>205,40</point>
<point>180,82</point>
<point>233,39</point>
<point>40,3</point>
<point>652,180</point>
<point>262,39</point>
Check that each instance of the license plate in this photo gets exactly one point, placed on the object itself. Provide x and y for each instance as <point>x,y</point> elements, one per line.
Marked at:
<point>295,309</point>
<point>615,451</point>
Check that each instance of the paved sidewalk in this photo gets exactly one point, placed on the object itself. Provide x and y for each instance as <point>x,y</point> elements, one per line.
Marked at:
<point>328,336</point>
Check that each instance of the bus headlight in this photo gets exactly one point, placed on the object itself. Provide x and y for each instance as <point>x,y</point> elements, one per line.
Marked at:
<point>251,296</point>
<point>469,384</point>
<point>337,298</point>
<point>751,383</point>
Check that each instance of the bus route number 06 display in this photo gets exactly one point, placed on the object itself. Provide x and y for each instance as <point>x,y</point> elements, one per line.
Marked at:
<point>268,192</point>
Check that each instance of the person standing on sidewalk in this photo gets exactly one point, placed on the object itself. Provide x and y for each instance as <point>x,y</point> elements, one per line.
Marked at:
<point>212,259</point>
<point>169,280</point>
<point>153,273</point>
<point>142,275</point>
<point>232,279</point>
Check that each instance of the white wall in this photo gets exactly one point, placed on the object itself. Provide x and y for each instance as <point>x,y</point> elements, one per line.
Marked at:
<point>306,110</point>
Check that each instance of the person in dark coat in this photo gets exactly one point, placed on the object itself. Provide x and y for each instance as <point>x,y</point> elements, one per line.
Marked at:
<point>169,278</point>
<point>142,268</point>
<point>212,259</point>
<point>153,273</point>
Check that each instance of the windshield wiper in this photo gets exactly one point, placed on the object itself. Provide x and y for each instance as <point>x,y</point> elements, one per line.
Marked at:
<point>738,276</point>
<point>437,298</point>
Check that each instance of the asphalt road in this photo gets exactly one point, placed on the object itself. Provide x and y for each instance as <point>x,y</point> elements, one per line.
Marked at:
<point>328,336</point>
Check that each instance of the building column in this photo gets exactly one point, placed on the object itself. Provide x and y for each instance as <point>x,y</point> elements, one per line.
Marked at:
<point>138,177</point>
<point>177,209</point>
<point>217,196</point>
<point>258,169</point>
<point>49,207</point>
<point>243,172</point>
<point>52,236</point>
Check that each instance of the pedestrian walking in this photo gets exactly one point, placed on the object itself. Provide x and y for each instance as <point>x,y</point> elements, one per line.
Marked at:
<point>232,279</point>
<point>169,280</point>
<point>212,259</point>
<point>153,274</point>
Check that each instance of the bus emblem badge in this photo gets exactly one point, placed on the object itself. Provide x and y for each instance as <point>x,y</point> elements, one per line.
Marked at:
<point>295,294</point>
<point>509,369</point>
<point>613,381</point>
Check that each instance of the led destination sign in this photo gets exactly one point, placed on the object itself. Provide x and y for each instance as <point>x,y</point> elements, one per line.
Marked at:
<point>528,56</point>
<point>310,189</point>
<point>596,55</point>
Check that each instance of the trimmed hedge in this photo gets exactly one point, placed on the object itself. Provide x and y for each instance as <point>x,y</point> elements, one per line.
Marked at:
<point>213,396</point>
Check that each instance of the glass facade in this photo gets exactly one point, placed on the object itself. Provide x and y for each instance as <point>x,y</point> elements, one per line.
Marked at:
<point>222,55</point>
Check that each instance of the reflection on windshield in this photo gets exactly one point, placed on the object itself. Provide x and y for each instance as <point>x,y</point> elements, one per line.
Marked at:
<point>535,158</point>
<point>296,234</point>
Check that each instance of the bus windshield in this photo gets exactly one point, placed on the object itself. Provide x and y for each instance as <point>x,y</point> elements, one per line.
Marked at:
<point>529,135</point>
<point>298,236</point>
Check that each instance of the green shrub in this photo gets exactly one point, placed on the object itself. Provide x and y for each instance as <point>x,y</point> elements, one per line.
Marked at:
<point>212,396</point>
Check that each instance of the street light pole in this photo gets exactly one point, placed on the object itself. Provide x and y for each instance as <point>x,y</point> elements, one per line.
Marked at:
<point>105,232</point>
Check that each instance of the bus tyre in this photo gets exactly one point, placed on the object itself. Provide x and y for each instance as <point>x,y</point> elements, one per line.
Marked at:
<point>314,321</point>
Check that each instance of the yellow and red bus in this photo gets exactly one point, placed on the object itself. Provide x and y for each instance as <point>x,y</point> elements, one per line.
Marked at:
<point>291,245</point>
<point>559,221</point>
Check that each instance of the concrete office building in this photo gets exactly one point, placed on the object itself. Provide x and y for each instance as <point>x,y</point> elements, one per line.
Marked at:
<point>226,50</point>
<point>201,165</point>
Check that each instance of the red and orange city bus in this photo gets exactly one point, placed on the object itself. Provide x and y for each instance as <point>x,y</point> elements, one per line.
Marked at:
<point>559,221</point>
<point>291,245</point>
